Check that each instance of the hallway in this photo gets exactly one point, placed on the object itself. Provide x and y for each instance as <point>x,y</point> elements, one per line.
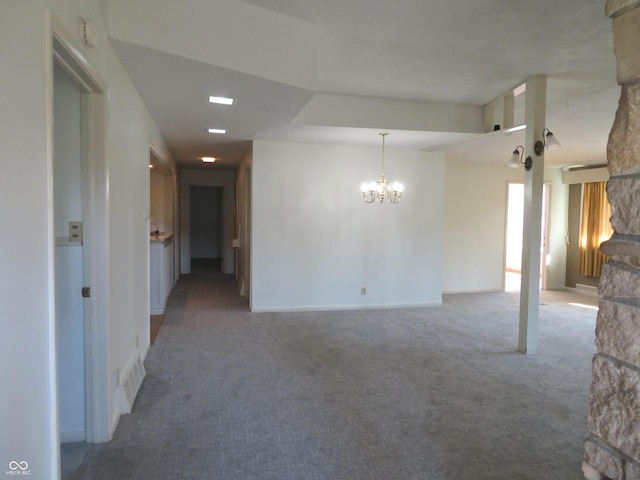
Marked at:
<point>424,393</point>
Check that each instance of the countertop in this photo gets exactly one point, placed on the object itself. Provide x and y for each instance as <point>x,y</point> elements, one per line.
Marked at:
<point>161,237</point>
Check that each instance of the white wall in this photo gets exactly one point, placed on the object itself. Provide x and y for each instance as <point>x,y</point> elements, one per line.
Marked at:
<point>475,223</point>
<point>27,344</point>
<point>243,216</point>
<point>558,228</point>
<point>474,232</point>
<point>161,200</point>
<point>156,200</point>
<point>315,242</point>
<point>162,203</point>
<point>210,178</point>
<point>128,156</point>
<point>28,392</point>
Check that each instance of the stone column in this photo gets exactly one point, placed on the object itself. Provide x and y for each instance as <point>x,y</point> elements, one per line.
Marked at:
<point>612,451</point>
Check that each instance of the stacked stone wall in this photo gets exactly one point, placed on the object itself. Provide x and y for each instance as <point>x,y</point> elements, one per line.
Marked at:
<point>612,451</point>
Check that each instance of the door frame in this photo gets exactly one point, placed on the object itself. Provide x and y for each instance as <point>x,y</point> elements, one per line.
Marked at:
<point>544,246</point>
<point>95,193</point>
<point>224,179</point>
<point>546,205</point>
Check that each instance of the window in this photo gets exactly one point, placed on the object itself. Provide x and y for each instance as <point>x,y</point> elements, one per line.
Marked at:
<point>595,228</point>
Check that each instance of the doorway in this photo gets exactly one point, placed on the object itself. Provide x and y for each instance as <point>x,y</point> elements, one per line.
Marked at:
<point>80,195</point>
<point>206,229</point>
<point>69,254</point>
<point>514,230</point>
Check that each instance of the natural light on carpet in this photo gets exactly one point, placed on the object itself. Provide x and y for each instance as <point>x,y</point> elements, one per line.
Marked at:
<point>582,305</point>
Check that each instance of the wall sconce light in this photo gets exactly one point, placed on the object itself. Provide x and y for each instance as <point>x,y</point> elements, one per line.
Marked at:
<point>549,142</point>
<point>516,159</point>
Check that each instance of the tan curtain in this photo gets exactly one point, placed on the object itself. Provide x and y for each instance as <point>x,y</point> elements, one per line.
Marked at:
<point>595,228</point>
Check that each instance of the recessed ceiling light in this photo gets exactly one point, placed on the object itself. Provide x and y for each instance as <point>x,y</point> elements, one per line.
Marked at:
<point>221,100</point>
<point>217,130</point>
<point>208,159</point>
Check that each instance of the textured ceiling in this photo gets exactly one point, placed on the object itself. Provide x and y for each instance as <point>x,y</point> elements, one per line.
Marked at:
<point>457,51</point>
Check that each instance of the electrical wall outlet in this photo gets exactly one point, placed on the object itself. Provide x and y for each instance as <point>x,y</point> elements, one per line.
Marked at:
<point>363,290</point>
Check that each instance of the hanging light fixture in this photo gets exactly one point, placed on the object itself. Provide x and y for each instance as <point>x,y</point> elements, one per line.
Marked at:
<point>383,188</point>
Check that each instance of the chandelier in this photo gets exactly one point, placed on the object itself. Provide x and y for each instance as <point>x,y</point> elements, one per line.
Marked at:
<point>383,188</point>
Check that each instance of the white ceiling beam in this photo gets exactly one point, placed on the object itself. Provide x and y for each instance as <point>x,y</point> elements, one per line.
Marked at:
<point>333,110</point>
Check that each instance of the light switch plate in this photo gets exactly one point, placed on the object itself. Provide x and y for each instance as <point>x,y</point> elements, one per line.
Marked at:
<point>75,232</point>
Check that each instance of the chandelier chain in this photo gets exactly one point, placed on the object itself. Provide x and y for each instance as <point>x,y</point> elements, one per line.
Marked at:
<point>383,135</point>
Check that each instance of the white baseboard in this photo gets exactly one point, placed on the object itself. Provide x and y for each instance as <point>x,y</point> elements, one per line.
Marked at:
<point>333,308</point>
<point>586,290</point>
<point>454,292</point>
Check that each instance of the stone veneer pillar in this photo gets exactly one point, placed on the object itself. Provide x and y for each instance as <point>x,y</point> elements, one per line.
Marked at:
<point>612,451</point>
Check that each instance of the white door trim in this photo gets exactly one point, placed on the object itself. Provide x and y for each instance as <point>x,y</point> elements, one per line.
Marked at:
<point>68,56</point>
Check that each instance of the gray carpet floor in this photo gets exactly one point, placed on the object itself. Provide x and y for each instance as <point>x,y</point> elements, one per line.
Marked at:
<point>421,393</point>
